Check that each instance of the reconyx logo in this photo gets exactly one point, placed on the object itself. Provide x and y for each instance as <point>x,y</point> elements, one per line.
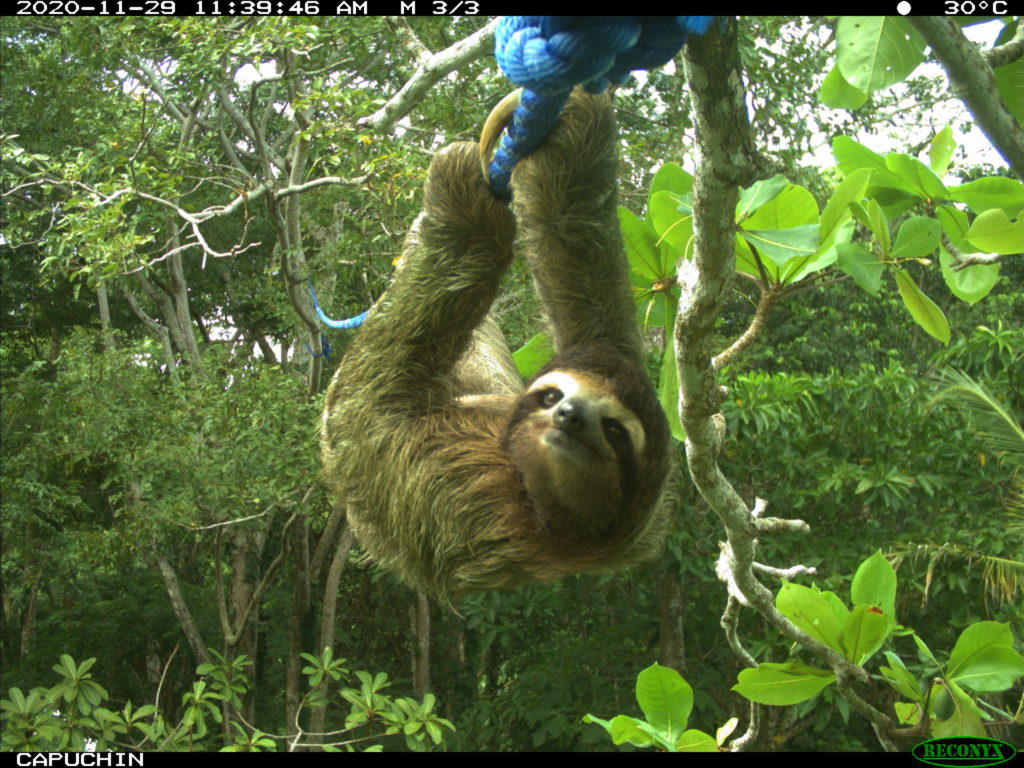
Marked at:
<point>965,751</point>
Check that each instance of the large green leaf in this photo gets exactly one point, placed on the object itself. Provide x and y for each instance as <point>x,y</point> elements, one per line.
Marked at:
<point>918,237</point>
<point>836,92</point>
<point>761,192</point>
<point>993,232</point>
<point>782,684</point>
<point>940,151</point>
<point>863,266</point>
<point>874,583</point>
<point>983,658</point>
<point>924,311</point>
<point>874,52</point>
<point>666,700</point>
<point>820,614</point>
<point>863,632</point>
<point>837,210</point>
<point>672,225</point>
<point>991,192</point>
<point>641,249</point>
<point>1010,84</point>
<point>917,176</point>
<point>851,155</point>
<point>782,245</point>
<point>793,206</point>
<point>533,354</point>
<point>671,178</point>
<point>668,388</point>
<point>970,284</point>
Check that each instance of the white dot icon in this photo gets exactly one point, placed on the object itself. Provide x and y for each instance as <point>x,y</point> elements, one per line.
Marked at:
<point>903,8</point>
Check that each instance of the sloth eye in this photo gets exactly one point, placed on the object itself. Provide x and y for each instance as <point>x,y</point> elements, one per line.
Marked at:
<point>614,430</point>
<point>550,397</point>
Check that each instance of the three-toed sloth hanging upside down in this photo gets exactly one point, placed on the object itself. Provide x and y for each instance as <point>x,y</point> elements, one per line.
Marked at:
<point>450,473</point>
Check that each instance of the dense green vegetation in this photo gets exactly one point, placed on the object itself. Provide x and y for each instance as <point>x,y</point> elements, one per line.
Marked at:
<point>162,377</point>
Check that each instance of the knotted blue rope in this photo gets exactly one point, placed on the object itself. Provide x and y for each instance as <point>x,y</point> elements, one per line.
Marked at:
<point>341,325</point>
<point>548,55</point>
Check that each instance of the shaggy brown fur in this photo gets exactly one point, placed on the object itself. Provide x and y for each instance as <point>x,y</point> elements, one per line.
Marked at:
<point>430,466</point>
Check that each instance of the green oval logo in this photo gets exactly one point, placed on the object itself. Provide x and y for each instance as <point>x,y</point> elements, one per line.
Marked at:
<point>963,751</point>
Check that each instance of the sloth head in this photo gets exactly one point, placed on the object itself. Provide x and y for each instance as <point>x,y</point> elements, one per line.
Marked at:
<point>590,443</point>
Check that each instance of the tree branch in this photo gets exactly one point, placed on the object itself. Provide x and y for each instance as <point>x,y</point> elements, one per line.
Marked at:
<point>431,69</point>
<point>975,84</point>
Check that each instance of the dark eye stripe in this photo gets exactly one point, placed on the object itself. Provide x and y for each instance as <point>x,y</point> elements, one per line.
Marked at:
<point>550,396</point>
<point>614,431</point>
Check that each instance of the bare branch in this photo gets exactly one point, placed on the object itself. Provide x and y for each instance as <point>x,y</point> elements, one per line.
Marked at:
<point>431,69</point>
<point>757,324</point>
<point>1008,52</point>
<point>963,260</point>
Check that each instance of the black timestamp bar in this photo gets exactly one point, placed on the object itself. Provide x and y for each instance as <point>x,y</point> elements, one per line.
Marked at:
<point>249,7</point>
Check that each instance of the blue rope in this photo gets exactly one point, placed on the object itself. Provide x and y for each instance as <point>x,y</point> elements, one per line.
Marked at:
<point>341,325</point>
<point>325,345</point>
<point>548,55</point>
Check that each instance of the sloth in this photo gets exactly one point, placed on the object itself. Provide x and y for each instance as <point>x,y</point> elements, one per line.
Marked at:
<point>451,473</point>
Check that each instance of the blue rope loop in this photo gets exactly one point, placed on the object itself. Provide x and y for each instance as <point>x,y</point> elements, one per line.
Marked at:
<point>548,55</point>
<point>341,325</point>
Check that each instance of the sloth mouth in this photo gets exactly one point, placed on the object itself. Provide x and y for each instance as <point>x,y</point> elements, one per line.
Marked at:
<point>566,442</point>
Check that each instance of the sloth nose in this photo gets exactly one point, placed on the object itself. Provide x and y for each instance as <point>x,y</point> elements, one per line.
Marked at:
<point>570,415</point>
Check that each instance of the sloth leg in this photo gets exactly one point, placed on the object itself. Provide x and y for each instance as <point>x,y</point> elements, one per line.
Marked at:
<point>404,356</point>
<point>565,201</point>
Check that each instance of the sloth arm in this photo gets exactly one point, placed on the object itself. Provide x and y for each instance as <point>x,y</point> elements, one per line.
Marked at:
<point>566,205</point>
<point>453,259</point>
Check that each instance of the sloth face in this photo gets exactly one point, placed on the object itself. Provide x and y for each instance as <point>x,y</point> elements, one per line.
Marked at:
<point>576,447</point>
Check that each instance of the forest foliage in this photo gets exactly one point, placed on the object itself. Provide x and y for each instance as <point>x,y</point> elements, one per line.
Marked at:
<point>173,574</point>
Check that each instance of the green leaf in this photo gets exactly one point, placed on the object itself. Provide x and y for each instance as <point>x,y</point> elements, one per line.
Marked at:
<point>851,156</point>
<point>812,611</point>
<point>954,225</point>
<point>863,633</point>
<point>668,388</point>
<point>782,684</point>
<point>696,741</point>
<point>672,226</point>
<point>794,206</point>
<point>863,266</point>
<point>921,308</point>
<point>623,729</point>
<point>940,151</point>
<point>917,176</point>
<point>530,357</point>
<point>983,658</point>
<point>993,232</point>
<point>641,248</point>
<point>991,670</point>
<point>837,210</point>
<point>745,261</point>
<point>918,237</point>
<point>1010,84</point>
<point>899,677</point>
<point>874,52</point>
<point>782,245</point>
<point>964,721</point>
<point>982,195</point>
<point>837,92</point>
<point>671,178</point>
<point>875,584</point>
<point>666,700</point>
<point>873,217</point>
<point>759,194</point>
<point>970,284</point>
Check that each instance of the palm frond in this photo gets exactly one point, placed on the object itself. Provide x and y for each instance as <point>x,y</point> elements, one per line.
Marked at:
<point>994,424</point>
